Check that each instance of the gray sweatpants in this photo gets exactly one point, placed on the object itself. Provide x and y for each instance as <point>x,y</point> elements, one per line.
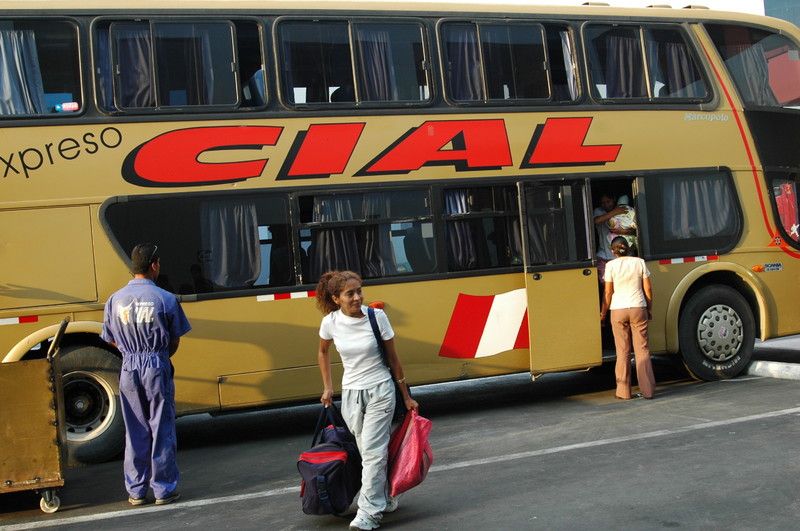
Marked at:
<point>368,413</point>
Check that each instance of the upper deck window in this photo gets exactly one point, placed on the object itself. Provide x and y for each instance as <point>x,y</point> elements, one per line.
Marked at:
<point>39,70</point>
<point>642,63</point>
<point>156,65</point>
<point>352,62</point>
<point>765,66</point>
<point>491,62</point>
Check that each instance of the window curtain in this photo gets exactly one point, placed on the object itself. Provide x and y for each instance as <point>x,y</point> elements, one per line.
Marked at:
<point>674,69</point>
<point>133,54</point>
<point>748,66</point>
<point>378,253</point>
<point>333,248</point>
<point>199,69</point>
<point>566,48</point>
<point>462,253</point>
<point>697,208</point>
<point>379,82</point>
<point>105,88</point>
<point>21,86</point>
<point>546,227</point>
<point>466,80</point>
<point>230,237</point>
<point>624,68</point>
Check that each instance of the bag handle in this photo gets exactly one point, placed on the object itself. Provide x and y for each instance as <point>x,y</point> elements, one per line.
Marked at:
<point>328,415</point>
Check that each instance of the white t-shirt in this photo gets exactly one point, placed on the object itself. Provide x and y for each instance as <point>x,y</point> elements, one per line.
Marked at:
<point>603,246</point>
<point>354,339</point>
<point>627,272</point>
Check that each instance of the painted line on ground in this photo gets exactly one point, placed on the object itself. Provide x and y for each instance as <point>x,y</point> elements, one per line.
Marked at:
<point>434,469</point>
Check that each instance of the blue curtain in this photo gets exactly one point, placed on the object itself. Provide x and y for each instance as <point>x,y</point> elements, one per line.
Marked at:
<point>624,68</point>
<point>21,87</point>
<point>464,63</point>
<point>377,66</point>
<point>462,253</point>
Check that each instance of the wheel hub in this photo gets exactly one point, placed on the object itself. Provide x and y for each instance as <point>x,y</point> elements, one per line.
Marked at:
<point>720,333</point>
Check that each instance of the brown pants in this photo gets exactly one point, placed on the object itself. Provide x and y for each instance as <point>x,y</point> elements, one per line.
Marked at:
<point>630,329</point>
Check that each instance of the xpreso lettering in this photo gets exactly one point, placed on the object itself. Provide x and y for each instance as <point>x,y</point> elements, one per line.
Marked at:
<point>27,160</point>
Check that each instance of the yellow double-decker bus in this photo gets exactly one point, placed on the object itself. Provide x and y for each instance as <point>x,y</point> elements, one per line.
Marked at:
<point>453,155</point>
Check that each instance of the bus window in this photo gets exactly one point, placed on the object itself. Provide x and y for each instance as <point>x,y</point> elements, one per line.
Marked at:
<point>363,232</point>
<point>616,63</point>
<point>40,68</point>
<point>693,213</point>
<point>165,64</point>
<point>620,71</point>
<point>251,64</point>
<point>784,197</point>
<point>673,70</point>
<point>391,63</point>
<point>317,62</point>
<point>561,61</point>
<point>557,223</point>
<point>765,66</point>
<point>211,243</point>
<point>482,227</point>
<point>495,62</point>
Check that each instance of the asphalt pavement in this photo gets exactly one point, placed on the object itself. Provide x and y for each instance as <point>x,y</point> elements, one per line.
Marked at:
<point>557,454</point>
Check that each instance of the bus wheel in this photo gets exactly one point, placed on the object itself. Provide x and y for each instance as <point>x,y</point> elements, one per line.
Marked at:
<point>94,425</point>
<point>717,333</point>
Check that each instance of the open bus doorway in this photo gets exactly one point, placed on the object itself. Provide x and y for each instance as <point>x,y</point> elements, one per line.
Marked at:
<point>607,195</point>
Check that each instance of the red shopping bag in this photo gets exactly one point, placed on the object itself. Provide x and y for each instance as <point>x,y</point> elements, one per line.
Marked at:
<point>410,454</point>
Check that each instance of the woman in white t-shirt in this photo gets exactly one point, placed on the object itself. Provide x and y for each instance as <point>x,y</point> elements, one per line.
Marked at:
<point>368,393</point>
<point>629,296</point>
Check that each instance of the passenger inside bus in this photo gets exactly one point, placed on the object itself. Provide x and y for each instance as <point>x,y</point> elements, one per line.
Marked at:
<point>624,225</point>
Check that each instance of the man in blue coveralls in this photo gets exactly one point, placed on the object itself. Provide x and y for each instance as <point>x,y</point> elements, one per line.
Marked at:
<point>146,323</point>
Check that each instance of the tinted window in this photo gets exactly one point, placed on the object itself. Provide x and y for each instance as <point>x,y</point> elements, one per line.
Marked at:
<point>765,66</point>
<point>556,223</point>
<point>39,70</point>
<point>485,62</point>
<point>378,234</point>
<point>317,62</point>
<point>689,214</point>
<point>633,62</point>
<point>482,227</point>
<point>153,65</point>
<point>784,188</point>
<point>211,243</point>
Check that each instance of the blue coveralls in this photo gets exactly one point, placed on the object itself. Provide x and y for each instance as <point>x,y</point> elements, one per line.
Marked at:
<point>141,319</point>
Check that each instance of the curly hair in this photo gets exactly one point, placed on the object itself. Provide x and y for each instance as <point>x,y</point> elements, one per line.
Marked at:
<point>332,284</point>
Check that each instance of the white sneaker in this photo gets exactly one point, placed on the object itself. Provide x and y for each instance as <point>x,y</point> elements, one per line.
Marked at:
<point>363,523</point>
<point>392,503</point>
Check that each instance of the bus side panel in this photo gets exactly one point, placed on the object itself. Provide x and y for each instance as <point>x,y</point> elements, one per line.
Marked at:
<point>46,257</point>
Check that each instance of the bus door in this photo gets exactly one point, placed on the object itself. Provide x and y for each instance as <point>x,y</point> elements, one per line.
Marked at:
<point>560,278</point>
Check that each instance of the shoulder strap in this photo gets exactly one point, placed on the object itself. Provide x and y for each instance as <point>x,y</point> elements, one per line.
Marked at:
<point>375,330</point>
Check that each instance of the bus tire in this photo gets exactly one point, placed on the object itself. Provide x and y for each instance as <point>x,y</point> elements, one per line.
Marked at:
<point>94,425</point>
<point>716,333</point>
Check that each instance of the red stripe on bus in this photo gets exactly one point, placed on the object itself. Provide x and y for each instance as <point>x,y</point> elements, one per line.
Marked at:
<point>29,319</point>
<point>466,326</point>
